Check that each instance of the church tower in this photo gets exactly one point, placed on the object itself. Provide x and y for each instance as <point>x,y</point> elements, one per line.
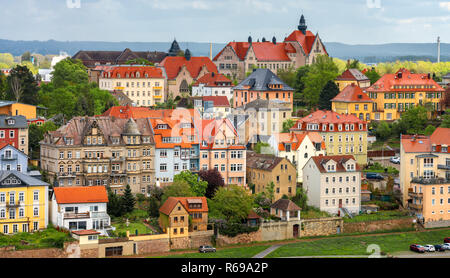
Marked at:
<point>302,27</point>
<point>174,49</point>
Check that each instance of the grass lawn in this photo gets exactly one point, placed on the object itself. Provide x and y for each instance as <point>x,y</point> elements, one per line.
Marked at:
<point>381,215</point>
<point>48,238</point>
<point>238,252</point>
<point>312,214</point>
<point>121,227</point>
<point>358,245</point>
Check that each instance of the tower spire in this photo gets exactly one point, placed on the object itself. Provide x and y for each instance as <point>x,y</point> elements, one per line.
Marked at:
<point>302,26</point>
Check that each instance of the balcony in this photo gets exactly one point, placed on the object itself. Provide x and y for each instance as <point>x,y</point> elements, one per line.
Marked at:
<point>13,204</point>
<point>9,157</point>
<point>413,194</point>
<point>431,180</point>
<point>73,215</point>
<point>66,175</point>
<point>416,206</point>
<point>158,97</point>
<point>444,167</point>
<point>118,173</point>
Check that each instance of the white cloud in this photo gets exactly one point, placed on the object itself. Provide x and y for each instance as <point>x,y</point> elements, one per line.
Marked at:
<point>445,5</point>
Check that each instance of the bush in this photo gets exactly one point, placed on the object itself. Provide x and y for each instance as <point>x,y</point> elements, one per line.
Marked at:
<point>235,229</point>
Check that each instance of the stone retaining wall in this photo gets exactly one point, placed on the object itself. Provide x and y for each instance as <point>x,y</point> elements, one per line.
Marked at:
<point>378,225</point>
<point>239,239</point>
<point>321,226</point>
<point>437,224</point>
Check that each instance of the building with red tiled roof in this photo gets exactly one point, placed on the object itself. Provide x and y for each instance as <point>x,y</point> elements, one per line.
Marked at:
<point>213,84</point>
<point>333,184</point>
<point>395,93</point>
<point>144,85</point>
<point>80,208</point>
<point>352,76</point>
<point>352,100</point>
<point>342,133</point>
<point>176,212</point>
<point>300,48</point>
<point>183,71</point>
<point>423,157</point>
<point>212,107</point>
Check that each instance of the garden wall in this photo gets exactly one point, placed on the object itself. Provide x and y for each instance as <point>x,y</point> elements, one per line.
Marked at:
<point>71,249</point>
<point>321,226</point>
<point>437,224</point>
<point>279,230</point>
<point>239,239</point>
<point>378,225</point>
<point>198,239</point>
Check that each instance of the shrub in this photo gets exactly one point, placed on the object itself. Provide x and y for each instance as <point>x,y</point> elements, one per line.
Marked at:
<point>235,229</point>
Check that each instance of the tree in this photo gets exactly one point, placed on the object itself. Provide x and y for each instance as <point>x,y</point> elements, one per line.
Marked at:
<point>300,199</point>
<point>287,125</point>
<point>446,119</point>
<point>383,131</point>
<point>390,185</point>
<point>128,200</point>
<point>372,75</point>
<point>153,206</point>
<point>36,134</point>
<point>232,203</point>
<point>26,56</point>
<point>22,86</point>
<point>214,180</point>
<point>288,76</point>
<point>69,72</point>
<point>2,85</point>
<point>322,71</point>
<point>114,207</point>
<point>197,186</point>
<point>415,119</point>
<point>429,130</point>
<point>352,64</point>
<point>139,61</point>
<point>270,191</point>
<point>177,189</point>
<point>299,84</point>
<point>328,92</point>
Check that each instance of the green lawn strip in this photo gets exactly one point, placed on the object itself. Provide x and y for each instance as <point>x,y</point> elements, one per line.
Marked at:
<point>381,215</point>
<point>358,245</point>
<point>236,252</point>
<point>48,238</point>
<point>132,227</point>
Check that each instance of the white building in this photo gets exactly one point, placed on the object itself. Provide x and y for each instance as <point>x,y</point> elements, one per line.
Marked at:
<point>333,184</point>
<point>213,84</point>
<point>80,208</point>
<point>298,148</point>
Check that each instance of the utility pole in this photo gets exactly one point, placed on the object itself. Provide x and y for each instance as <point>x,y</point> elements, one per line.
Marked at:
<point>439,49</point>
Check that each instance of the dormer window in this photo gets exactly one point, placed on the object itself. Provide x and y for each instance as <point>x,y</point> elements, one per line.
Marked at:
<point>118,75</point>
<point>340,127</point>
<point>138,75</point>
<point>331,127</point>
<point>11,121</point>
<point>360,127</point>
<point>324,127</point>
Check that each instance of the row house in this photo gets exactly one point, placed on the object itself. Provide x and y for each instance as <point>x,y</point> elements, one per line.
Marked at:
<point>298,148</point>
<point>394,93</point>
<point>80,208</point>
<point>213,84</point>
<point>425,176</point>
<point>300,48</point>
<point>343,134</point>
<point>23,203</point>
<point>14,131</point>
<point>220,149</point>
<point>262,169</point>
<point>262,84</point>
<point>101,150</point>
<point>333,184</point>
<point>143,85</point>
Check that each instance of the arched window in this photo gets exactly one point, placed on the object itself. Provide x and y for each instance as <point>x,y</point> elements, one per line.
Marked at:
<point>184,87</point>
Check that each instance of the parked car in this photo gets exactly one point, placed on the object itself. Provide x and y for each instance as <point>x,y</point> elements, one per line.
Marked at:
<point>429,248</point>
<point>447,240</point>
<point>206,249</point>
<point>446,246</point>
<point>417,248</point>
<point>374,176</point>
<point>395,160</point>
<point>439,248</point>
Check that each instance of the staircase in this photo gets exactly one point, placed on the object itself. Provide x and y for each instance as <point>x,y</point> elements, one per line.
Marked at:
<point>345,211</point>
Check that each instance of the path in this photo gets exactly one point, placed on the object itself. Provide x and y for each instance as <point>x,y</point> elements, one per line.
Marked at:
<point>267,251</point>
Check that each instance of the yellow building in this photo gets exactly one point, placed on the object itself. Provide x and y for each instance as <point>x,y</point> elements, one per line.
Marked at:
<point>395,93</point>
<point>343,134</point>
<point>352,100</point>
<point>23,203</point>
<point>352,76</point>
<point>12,108</point>
<point>425,176</point>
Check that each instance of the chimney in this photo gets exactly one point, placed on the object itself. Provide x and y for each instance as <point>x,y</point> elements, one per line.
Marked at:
<point>429,76</point>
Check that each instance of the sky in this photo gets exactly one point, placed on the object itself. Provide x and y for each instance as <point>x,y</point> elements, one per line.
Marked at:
<point>221,21</point>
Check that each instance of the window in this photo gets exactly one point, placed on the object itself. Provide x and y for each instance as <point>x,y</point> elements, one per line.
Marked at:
<point>36,212</point>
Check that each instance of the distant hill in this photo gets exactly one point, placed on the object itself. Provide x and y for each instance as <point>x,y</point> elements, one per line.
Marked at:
<point>364,52</point>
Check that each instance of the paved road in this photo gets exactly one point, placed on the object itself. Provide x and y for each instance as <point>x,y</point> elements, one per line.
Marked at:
<point>410,254</point>
<point>268,251</point>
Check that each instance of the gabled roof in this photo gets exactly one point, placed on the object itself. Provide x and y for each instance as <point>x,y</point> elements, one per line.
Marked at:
<point>264,162</point>
<point>305,40</point>
<point>352,93</point>
<point>171,202</point>
<point>339,159</point>
<point>264,51</point>
<point>404,77</point>
<point>296,139</point>
<point>194,65</point>
<point>91,58</point>
<point>212,79</point>
<point>19,121</point>
<point>80,194</point>
<point>330,117</point>
<point>132,71</point>
<point>352,75</point>
<point>26,179</point>
<point>219,101</point>
<point>441,136</point>
<point>286,205</point>
<point>260,79</point>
